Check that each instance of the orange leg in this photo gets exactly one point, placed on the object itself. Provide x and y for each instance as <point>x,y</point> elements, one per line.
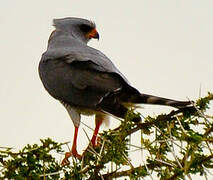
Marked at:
<point>98,122</point>
<point>74,145</point>
<point>73,151</point>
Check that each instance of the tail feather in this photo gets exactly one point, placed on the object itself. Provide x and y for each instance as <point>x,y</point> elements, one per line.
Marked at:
<point>117,103</point>
<point>111,105</point>
<point>149,99</point>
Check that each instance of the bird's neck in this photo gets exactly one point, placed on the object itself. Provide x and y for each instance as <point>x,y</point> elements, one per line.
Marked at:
<point>63,39</point>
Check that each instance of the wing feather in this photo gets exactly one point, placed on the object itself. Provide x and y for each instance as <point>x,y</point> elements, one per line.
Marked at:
<point>79,83</point>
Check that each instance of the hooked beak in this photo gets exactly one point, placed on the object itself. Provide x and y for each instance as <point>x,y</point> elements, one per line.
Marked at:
<point>93,34</point>
<point>96,36</point>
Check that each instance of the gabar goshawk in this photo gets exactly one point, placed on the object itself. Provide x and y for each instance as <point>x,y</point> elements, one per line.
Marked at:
<point>86,81</point>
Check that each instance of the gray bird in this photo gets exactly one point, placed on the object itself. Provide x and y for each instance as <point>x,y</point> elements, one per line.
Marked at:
<point>86,81</point>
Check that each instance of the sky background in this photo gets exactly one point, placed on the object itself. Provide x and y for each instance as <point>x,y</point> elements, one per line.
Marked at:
<point>164,48</point>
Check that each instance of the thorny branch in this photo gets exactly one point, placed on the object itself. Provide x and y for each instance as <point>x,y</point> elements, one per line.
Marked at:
<point>174,149</point>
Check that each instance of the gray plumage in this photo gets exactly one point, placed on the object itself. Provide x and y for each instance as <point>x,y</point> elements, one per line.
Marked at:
<point>83,79</point>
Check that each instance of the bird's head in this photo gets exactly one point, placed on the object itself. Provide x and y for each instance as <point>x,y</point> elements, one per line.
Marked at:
<point>78,28</point>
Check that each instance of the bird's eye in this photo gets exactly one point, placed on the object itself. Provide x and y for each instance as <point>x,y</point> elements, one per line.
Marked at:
<point>85,28</point>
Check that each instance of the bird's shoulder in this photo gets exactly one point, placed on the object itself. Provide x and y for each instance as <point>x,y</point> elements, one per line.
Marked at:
<point>82,54</point>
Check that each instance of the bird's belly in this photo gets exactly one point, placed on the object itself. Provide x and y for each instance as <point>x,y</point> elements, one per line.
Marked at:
<point>87,112</point>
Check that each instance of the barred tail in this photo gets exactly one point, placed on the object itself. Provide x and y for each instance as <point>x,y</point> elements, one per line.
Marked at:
<point>149,99</point>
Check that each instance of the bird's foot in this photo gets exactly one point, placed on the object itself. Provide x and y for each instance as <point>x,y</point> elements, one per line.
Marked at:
<point>93,146</point>
<point>98,142</point>
<point>66,161</point>
<point>95,141</point>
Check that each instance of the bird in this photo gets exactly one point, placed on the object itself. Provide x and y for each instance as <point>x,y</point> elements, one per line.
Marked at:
<point>85,81</point>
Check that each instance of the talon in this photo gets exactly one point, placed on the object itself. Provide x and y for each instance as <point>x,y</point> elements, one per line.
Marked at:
<point>98,141</point>
<point>78,156</point>
<point>66,161</point>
